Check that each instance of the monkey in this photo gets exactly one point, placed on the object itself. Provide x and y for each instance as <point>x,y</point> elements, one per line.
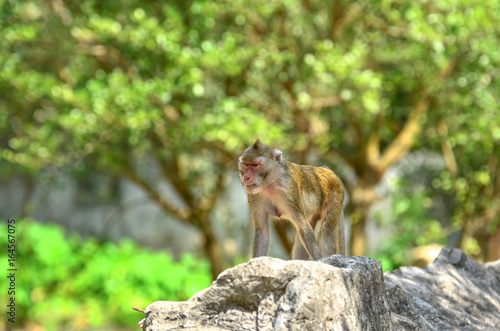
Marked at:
<point>311,198</point>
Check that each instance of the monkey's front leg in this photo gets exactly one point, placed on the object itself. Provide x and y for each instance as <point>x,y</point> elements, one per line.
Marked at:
<point>261,234</point>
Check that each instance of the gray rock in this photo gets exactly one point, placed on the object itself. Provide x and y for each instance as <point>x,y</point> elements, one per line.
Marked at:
<point>453,293</point>
<point>340,293</point>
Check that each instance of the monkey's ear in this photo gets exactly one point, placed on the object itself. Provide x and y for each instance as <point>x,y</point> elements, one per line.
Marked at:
<point>278,155</point>
<point>256,144</point>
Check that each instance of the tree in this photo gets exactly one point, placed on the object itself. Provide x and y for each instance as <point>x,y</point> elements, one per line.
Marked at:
<point>91,85</point>
<point>359,80</point>
<point>471,146</point>
<point>189,84</point>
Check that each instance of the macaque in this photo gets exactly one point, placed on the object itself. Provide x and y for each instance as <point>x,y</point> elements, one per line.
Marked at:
<point>309,197</point>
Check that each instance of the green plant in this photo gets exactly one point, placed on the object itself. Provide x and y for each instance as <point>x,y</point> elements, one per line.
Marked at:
<point>411,225</point>
<point>66,283</point>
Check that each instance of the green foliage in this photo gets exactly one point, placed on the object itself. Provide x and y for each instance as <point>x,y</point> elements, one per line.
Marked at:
<point>475,142</point>
<point>101,82</point>
<point>96,80</point>
<point>67,283</point>
<point>411,225</point>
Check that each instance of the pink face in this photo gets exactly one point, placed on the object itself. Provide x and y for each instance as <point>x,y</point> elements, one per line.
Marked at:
<point>248,173</point>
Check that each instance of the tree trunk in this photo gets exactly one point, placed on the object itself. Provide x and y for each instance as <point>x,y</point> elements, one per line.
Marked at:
<point>493,248</point>
<point>357,245</point>
<point>211,246</point>
<point>487,240</point>
<point>482,241</point>
<point>362,198</point>
<point>192,215</point>
<point>489,244</point>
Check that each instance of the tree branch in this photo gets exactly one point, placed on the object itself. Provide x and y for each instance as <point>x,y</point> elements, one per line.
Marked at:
<point>449,156</point>
<point>340,17</point>
<point>61,11</point>
<point>259,27</point>
<point>405,140</point>
<point>229,159</point>
<point>373,144</point>
<point>337,20</point>
<point>494,170</point>
<point>110,57</point>
<point>171,171</point>
<point>219,186</point>
<point>356,125</point>
<point>352,160</point>
<point>325,102</point>
<point>307,5</point>
<point>182,214</point>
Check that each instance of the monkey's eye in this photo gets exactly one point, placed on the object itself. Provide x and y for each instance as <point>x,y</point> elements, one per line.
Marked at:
<point>254,164</point>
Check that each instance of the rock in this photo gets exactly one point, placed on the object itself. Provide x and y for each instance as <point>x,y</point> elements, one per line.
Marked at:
<point>340,293</point>
<point>452,293</point>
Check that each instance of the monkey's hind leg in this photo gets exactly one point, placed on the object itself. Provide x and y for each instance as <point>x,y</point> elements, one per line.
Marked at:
<point>299,252</point>
<point>331,236</point>
<point>305,247</point>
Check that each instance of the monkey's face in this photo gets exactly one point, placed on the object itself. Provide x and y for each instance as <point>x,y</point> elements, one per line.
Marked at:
<point>251,175</point>
<point>259,166</point>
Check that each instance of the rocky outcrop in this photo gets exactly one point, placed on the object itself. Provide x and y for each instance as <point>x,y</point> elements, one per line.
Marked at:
<point>452,293</point>
<point>340,293</point>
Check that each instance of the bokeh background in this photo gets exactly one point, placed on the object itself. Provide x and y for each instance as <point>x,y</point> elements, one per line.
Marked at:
<point>121,123</point>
